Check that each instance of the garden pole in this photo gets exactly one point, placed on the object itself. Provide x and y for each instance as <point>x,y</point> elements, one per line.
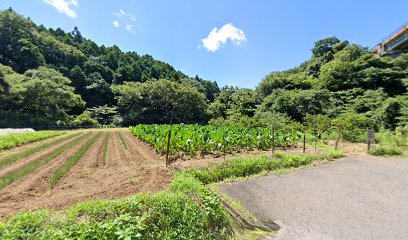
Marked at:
<point>315,140</point>
<point>169,138</point>
<point>273,140</point>
<point>304,141</point>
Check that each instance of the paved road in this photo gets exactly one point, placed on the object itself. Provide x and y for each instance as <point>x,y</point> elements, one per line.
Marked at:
<point>352,198</point>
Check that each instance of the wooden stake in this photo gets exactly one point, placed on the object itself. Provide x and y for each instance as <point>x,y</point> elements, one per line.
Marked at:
<point>273,141</point>
<point>304,141</point>
<point>169,138</point>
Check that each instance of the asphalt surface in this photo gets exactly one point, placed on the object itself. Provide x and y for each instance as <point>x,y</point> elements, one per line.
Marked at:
<point>351,198</point>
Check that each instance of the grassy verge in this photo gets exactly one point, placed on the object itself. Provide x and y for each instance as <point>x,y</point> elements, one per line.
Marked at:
<point>17,139</point>
<point>59,172</point>
<point>105,147</point>
<point>14,158</point>
<point>26,169</point>
<point>187,210</point>
<point>124,143</point>
<point>243,167</point>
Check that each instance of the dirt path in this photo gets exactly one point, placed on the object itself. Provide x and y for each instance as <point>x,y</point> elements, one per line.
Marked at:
<point>126,172</point>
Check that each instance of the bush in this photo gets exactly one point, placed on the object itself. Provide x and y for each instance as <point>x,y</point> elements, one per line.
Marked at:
<point>386,151</point>
<point>85,120</point>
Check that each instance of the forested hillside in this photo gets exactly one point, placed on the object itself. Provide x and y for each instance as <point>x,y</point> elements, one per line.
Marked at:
<point>50,77</point>
<point>73,74</point>
<point>339,80</point>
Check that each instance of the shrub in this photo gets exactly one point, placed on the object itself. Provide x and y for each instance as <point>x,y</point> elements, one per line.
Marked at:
<point>385,151</point>
<point>85,120</point>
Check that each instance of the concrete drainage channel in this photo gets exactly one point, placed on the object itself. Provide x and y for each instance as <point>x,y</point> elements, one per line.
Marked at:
<point>244,223</point>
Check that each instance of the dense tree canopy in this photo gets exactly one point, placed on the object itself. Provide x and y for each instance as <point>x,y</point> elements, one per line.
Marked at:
<point>50,76</point>
<point>153,101</point>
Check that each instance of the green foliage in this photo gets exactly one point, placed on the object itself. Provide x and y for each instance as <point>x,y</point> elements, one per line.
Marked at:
<point>153,101</point>
<point>350,126</point>
<point>31,151</point>
<point>59,172</point>
<point>47,91</point>
<point>296,103</point>
<point>243,167</point>
<point>385,151</point>
<point>85,120</point>
<point>187,211</point>
<point>18,173</point>
<point>17,139</point>
<point>191,139</point>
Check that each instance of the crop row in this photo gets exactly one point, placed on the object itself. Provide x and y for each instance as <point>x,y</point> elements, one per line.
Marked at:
<point>18,173</point>
<point>195,138</point>
<point>59,172</point>
<point>17,139</point>
<point>16,157</point>
<point>105,147</point>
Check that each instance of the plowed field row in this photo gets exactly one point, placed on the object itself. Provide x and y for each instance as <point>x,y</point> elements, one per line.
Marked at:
<point>92,164</point>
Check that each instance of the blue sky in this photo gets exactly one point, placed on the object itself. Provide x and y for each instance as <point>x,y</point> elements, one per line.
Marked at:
<point>251,39</point>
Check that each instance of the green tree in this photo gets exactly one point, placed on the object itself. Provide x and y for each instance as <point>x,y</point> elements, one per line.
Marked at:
<point>153,102</point>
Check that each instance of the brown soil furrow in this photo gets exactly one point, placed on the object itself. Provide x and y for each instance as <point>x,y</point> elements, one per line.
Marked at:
<point>33,157</point>
<point>11,151</point>
<point>25,193</point>
<point>99,156</point>
<point>149,155</point>
<point>125,173</point>
<point>152,173</point>
<point>85,181</point>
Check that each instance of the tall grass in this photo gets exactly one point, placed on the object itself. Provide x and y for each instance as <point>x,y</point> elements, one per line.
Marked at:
<point>71,162</point>
<point>17,139</point>
<point>14,158</point>
<point>105,147</point>
<point>124,143</point>
<point>26,169</point>
<point>243,167</point>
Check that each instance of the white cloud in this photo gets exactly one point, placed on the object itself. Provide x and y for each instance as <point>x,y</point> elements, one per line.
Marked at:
<point>64,6</point>
<point>217,37</point>
<point>129,27</point>
<point>128,20</point>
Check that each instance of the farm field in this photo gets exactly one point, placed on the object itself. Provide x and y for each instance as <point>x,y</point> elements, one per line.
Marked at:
<point>75,167</point>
